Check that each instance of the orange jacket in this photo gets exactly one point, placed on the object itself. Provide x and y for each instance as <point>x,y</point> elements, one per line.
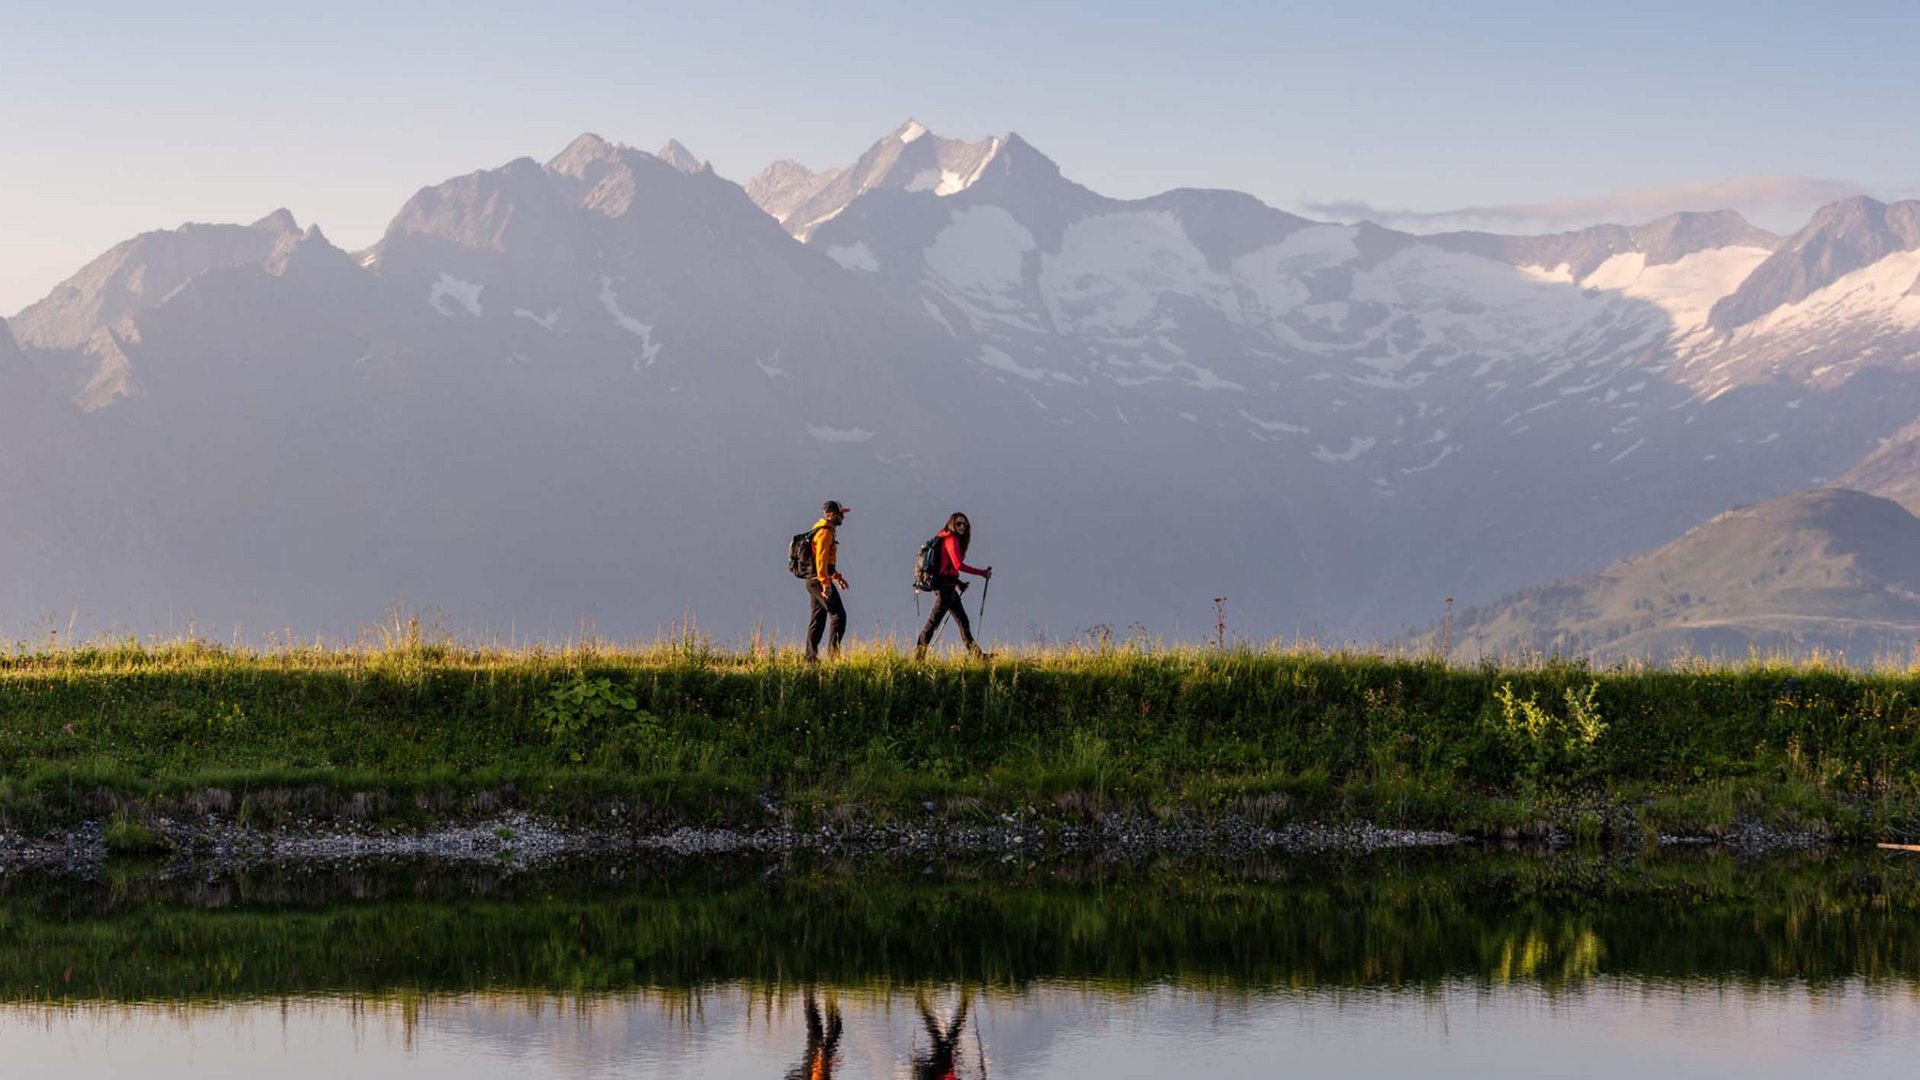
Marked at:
<point>826,552</point>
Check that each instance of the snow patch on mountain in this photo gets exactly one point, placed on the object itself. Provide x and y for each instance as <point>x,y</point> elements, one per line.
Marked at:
<point>1464,305</point>
<point>1880,291</point>
<point>1356,445</point>
<point>979,259</point>
<point>1111,270</point>
<point>1197,376</point>
<point>1273,425</point>
<point>545,322</point>
<point>998,360</point>
<point>1562,274</point>
<point>649,350</point>
<point>1685,289</point>
<point>943,182</point>
<point>952,182</point>
<point>855,257</point>
<point>827,434</point>
<point>934,313</point>
<point>1273,279</point>
<point>1318,245</point>
<point>1445,452</point>
<point>464,293</point>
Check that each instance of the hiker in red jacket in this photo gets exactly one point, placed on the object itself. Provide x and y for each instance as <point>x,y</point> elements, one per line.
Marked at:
<point>953,562</point>
<point>942,1057</point>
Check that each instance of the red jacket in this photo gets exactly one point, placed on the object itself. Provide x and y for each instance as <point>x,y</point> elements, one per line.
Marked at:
<point>951,563</point>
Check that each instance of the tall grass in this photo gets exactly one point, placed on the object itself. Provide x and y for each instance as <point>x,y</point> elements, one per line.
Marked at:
<point>1279,730</point>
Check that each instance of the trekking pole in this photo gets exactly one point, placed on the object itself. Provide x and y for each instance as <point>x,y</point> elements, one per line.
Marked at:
<point>984,586</point>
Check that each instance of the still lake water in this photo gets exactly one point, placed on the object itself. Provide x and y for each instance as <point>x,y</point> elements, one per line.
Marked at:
<point>1455,965</point>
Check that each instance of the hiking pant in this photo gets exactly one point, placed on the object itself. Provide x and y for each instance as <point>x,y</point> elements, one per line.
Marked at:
<point>947,600</point>
<point>826,602</point>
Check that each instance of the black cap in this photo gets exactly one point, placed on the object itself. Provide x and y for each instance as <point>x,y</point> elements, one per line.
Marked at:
<point>832,506</point>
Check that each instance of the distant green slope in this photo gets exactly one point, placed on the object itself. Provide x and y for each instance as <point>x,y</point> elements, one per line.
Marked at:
<point>1828,570</point>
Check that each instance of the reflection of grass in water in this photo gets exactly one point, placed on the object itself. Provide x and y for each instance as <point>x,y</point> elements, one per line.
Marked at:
<point>1552,922</point>
<point>411,1009</point>
<point>413,1016</point>
<point>417,726</point>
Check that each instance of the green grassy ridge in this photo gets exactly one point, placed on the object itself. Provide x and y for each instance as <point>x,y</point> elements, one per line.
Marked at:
<point>683,731</point>
<point>1386,922</point>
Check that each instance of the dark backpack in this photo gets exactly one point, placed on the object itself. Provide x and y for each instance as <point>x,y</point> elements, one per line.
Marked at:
<point>800,556</point>
<point>926,567</point>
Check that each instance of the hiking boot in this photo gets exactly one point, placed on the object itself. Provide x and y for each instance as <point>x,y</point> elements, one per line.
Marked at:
<point>919,654</point>
<point>974,650</point>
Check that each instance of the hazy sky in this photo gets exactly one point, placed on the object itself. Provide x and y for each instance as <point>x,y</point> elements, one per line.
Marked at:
<point>118,118</point>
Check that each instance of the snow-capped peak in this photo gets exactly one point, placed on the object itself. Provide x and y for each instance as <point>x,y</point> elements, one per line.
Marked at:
<point>911,159</point>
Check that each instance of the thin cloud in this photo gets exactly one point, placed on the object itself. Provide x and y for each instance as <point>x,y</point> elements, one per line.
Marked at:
<point>1782,203</point>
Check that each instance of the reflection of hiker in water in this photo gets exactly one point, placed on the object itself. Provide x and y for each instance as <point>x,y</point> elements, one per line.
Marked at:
<point>823,1043</point>
<point>940,1060</point>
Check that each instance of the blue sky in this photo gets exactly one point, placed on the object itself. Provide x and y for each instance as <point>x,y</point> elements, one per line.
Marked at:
<point>117,118</point>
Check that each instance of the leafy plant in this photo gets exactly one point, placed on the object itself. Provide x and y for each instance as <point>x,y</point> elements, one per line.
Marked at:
<point>573,709</point>
<point>636,743</point>
<point>1548,745</point>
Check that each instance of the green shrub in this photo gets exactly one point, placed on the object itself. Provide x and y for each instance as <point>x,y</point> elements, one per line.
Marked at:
<point>578,711</point>
<point>1550,746</point>
<point>126,836</point>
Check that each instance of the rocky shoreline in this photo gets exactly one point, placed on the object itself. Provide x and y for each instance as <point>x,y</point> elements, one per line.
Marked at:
<point>520,839</point>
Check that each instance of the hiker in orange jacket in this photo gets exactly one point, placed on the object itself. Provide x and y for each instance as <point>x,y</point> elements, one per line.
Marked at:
<point>823,1042</point>
<point>954,540</point>
<point>823,588</point>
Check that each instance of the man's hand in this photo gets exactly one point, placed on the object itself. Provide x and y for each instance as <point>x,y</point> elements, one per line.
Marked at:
<point>840,581</point>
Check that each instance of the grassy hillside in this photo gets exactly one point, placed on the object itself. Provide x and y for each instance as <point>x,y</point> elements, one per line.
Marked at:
<point>1830,569</point>
<point>683,733</point>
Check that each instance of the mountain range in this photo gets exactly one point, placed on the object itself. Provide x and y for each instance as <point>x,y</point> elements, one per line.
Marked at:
<point>606,387</point>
